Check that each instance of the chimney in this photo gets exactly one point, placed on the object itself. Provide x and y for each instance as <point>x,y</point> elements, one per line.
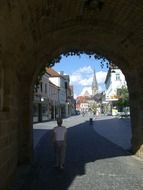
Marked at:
<point>61,72</point>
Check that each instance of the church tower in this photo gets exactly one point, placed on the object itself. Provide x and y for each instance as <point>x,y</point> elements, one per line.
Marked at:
<point>94,85</point>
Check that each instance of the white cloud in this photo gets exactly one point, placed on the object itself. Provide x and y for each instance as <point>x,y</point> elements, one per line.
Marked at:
<point>85,78</point>
<point>101,76</point>
<point>75,78</point>
<point>86,82</point>
<point>100,88</point>
<point>86,69</point>
<point>82,76</point>
<point>86,89</point>
<point>75,95</point>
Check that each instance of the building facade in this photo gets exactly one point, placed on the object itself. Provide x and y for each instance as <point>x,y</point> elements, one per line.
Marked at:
<point>41,100</point>
<point>62,81</point>
<point>45,100</point>
<point>115,80</point>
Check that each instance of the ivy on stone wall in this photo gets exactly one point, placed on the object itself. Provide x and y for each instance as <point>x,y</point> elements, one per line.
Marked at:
<point>39,77</point>
<point>103,60</point>
<point>52,62</point>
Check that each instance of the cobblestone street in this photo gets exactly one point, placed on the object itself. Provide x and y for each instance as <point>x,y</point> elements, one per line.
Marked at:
<point>93,160</point>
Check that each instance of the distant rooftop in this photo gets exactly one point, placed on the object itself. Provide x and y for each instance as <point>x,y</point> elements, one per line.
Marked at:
<point>52,72</point>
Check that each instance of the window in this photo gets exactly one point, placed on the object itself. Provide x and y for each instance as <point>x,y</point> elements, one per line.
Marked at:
<point>41,86</point>
<point>66,85</point>
<point>117,76</point>
<point>45,88</point>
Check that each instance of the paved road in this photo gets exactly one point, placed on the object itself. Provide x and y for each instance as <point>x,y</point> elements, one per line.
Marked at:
<point>93,161</point>
<point>114,129</point>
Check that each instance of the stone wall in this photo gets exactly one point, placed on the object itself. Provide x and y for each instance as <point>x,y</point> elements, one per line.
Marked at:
<point>135,83</point>
<point>34,32</point>
<point>8,126</point>
<point>8,147</point>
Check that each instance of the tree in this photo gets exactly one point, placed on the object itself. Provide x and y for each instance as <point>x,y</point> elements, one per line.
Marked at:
<point>93,107</point>
<point>123,96</point>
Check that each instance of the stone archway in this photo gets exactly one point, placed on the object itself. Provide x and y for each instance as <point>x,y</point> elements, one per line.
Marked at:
<point>70,42</point>
<point>34,32</point>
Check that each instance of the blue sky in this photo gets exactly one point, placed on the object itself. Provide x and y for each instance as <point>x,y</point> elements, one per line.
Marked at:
<point>80,69</point>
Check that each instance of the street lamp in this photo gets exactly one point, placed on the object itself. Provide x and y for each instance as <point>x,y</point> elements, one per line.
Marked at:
<point>42,99</point>
<point>40,108</point>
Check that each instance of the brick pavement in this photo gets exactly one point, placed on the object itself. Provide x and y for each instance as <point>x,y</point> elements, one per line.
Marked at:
<point>114,129</point>
<point>92,162</point>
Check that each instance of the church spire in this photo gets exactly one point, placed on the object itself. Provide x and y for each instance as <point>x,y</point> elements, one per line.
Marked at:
<point>94,85</point>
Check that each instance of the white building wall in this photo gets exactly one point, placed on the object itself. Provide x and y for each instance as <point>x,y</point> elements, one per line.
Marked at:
<point>53,93</point>
<point>63,93</point>
<point>43,88</point>
<point>55,80</point>
<point>114,82</point>
<point>60,82</point>
<point>84,107</point>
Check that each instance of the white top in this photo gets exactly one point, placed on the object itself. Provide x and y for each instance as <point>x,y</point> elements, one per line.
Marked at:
<point>60,133</point>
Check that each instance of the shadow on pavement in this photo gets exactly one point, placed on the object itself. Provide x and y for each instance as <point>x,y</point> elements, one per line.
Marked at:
<point>84,146</point>
<point>116,130</point>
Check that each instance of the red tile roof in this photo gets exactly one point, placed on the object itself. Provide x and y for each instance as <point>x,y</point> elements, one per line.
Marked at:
<point>52,72</point>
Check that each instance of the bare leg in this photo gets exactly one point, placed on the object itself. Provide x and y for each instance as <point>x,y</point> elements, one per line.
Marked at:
<point>62,155</point>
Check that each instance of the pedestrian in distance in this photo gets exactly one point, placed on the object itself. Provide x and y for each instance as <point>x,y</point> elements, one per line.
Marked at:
<point>59,140</point>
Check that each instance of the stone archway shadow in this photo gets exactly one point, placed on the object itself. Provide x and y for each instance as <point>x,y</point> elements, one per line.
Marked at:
<point>32,32</point>
<point>84,146</point>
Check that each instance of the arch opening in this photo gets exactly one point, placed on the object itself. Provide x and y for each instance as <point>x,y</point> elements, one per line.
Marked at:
<point>55,108</point>
<point>33,33</point>
<point>45,131</point>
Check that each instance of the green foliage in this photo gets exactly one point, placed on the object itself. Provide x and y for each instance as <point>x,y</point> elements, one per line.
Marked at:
<point>123,95</point>
<point>93,107</point>
<point>103,60</point>
<point>39,77</point>
<point>52,62</point>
